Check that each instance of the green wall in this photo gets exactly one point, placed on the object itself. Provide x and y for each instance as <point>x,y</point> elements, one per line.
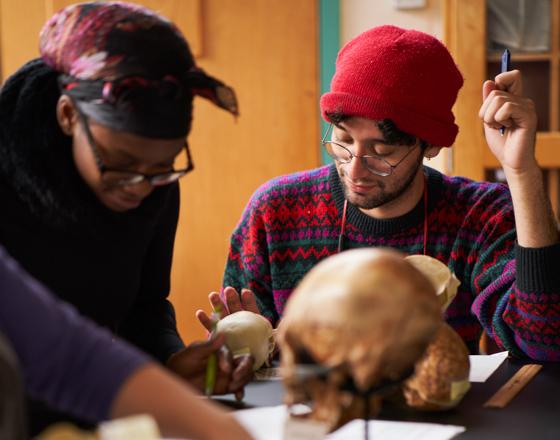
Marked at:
<point>329,43</point>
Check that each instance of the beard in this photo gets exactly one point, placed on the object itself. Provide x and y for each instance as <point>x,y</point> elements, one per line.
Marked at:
<point>384,194</point>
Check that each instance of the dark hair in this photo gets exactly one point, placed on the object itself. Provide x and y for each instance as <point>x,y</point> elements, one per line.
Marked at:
<point>29,130</point>
<point>36,158</point>
<point>391,133</point>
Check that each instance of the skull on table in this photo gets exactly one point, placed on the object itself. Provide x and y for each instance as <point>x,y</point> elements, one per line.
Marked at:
<point>441,376</point>
<point>357,323</point>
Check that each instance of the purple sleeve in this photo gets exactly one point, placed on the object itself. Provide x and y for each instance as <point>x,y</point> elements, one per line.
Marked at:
<point>66,360</point>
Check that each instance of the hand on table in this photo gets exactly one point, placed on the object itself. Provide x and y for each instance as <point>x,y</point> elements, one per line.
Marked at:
<point>232,374</point>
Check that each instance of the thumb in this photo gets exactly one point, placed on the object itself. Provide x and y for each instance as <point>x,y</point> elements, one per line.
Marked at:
<point>487,87</point>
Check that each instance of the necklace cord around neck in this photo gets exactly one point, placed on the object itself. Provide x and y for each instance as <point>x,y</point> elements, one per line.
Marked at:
<point>340,247</point>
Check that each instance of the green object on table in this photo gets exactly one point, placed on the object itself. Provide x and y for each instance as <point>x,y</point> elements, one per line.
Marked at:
<point>212,365</point>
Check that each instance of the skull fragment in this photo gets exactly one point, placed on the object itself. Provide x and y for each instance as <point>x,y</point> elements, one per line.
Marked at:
<point>248,333</point>
<point>441,376</point>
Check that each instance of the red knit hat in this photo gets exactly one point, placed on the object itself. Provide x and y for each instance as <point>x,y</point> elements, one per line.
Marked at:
<point>403,75</point>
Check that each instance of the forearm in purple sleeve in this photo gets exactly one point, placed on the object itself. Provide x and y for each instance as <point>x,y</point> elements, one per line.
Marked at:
<point>66,360</point>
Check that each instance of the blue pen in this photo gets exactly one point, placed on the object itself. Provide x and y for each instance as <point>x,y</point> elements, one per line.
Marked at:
<point>506,56</point>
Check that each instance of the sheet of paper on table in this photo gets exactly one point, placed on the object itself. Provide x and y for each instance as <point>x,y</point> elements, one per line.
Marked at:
<point>482,367</point>
<point>267,423</point>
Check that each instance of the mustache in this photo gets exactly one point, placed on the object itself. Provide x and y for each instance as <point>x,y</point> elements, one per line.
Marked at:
<point>361,182</point>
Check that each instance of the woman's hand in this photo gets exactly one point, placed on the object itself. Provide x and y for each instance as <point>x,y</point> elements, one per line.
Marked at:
<point>232,374</point>
<point>179,412</point>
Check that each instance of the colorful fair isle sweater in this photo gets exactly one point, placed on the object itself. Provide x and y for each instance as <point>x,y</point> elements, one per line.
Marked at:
<point>513,293</point>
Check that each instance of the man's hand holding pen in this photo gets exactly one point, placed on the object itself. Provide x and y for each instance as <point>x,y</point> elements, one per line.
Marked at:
<point>505,107</point>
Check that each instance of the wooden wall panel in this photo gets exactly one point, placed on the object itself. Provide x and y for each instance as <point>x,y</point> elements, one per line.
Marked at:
<point>465,36</point>
<point>186,14</point>
<point>266,50</point>
<point>20,22</point>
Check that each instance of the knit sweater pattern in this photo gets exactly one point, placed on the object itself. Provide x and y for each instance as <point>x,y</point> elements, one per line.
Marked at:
<point>513,293</point>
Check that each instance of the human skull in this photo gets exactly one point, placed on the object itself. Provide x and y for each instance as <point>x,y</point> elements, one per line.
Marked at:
<point>248,333</point>
<point>445,282</point>
<point>357,320</point>
<point>441,376</point>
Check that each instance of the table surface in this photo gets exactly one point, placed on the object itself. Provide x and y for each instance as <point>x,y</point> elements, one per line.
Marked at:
<point>533,414</point>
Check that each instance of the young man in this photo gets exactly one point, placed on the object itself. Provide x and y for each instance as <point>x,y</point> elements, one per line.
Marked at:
<point>390,106</point>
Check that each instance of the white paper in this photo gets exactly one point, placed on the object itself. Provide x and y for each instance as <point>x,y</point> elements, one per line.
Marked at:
<point>267,423</point>
<point>482,366</point>
<point>300,429</point>
<point>264,423</point>
<point>382,429</point>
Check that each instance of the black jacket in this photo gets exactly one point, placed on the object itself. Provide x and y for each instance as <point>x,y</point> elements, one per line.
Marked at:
<point>114,267</point>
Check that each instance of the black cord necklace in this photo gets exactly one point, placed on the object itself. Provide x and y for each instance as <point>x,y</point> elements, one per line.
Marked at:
<point>340,247</point>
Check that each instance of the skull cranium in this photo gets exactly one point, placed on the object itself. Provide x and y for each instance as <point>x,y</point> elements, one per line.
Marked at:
<point>357,321</point>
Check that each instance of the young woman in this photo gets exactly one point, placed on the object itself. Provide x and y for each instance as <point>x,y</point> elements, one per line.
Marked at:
<point>91,141</point>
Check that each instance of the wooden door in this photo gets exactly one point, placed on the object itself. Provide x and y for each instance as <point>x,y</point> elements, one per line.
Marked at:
<point>267,51</point>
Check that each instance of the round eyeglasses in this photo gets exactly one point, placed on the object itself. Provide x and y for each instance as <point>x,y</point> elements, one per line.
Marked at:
<point>116,177</point>
<point>374,164</point>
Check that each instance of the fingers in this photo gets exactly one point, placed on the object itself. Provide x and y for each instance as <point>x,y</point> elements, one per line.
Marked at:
<point>232,300</point>
<point>487,87</point>
<point>225,361</point>
<point>203,349</point>
<point>217,303</point>
<point>231,376</point>
<point>510,82</point>
<point>204,320</point>
<point>249,301</point>
<point>191,362</point>
<point>230,303</point>
<point>242,373</point>
<point>503,104</point>
<point>490,96</point>
<point>502,109</point>
<point>495,101</point>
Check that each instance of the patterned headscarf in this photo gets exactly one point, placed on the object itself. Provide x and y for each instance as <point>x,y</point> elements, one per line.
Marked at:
<point>128,68</point>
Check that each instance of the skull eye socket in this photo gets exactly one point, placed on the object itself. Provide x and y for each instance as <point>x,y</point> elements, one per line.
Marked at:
<point>304,357</point>
<point>307,368</point>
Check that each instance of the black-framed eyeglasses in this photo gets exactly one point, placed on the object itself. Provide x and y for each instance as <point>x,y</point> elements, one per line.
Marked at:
<point>118,177</point>
<point>374,164</point>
